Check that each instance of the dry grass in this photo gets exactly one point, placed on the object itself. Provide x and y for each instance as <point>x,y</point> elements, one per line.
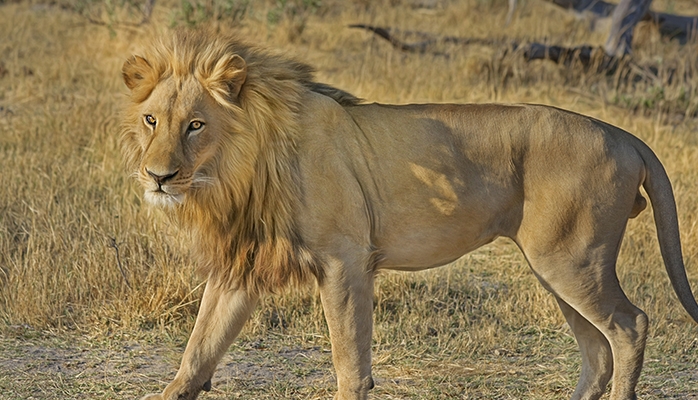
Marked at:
<point>482,328</point>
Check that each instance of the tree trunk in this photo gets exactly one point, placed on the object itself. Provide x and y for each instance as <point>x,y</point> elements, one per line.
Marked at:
<point>626,15</point>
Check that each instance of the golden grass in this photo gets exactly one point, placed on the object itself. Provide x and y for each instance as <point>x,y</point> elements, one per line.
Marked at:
<point>462,330</point>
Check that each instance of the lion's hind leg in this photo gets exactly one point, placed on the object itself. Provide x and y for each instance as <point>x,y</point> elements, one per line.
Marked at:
<point>597,359</point>
<point>591,297</point>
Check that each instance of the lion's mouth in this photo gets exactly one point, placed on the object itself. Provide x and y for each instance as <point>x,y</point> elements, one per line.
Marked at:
<point>161,198</point>
<point>172,192</point>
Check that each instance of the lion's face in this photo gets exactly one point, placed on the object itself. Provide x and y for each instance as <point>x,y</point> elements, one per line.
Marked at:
<point>176,131</point>
<point>177,138</point>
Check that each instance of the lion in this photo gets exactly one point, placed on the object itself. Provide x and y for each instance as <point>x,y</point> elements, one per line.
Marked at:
<point>283,180</point>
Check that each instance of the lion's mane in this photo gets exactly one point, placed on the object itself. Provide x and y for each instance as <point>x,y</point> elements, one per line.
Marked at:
<point>243,223</point>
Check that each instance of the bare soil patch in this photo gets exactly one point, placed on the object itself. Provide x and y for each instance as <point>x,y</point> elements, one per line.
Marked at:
<point>76,367</point>
<point>66,367</point>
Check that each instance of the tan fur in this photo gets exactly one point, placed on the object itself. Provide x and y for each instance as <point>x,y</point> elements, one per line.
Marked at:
<point>281,179</point>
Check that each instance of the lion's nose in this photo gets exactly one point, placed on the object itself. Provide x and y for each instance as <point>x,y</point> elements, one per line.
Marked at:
<point>161,178</point>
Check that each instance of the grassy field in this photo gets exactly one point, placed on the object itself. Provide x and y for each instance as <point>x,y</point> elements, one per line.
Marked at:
<point>98,293</point>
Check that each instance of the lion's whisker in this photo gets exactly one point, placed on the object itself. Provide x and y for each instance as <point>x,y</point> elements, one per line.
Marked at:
<point>202,181</point>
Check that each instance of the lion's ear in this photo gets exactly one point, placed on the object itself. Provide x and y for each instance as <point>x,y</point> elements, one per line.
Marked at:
<point>139,76</point>
<point>227,77</point>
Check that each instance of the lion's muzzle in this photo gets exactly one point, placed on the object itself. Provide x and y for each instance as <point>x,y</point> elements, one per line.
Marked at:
<point>160,190</point>
<point>160,179</point>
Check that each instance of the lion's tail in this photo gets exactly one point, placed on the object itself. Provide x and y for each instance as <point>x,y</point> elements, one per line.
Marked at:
<point>658,188</point>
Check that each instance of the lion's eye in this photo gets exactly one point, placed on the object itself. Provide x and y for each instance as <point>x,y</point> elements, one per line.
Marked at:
<point>150,120</point>
<point>195,126</point>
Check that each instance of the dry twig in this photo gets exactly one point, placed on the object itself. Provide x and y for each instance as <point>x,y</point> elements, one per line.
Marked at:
<point>115,246</point>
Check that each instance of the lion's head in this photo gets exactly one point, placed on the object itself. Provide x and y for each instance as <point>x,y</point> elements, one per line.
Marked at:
<point>176,140</point>
<point>209,132</point>
<point>187,131</point>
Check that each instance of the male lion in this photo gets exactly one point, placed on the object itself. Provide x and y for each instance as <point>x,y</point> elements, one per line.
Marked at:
<point>282,179</point>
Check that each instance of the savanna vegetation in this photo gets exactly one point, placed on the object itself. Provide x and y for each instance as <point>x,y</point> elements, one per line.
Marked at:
<point>98,291</point>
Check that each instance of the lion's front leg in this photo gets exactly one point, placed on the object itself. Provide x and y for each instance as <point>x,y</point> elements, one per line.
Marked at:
<point>222,314</point>
<point>347,299</point>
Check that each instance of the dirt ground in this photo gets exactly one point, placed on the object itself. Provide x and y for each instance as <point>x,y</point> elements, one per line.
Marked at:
<point>76,367</point>
<point>59,367</point>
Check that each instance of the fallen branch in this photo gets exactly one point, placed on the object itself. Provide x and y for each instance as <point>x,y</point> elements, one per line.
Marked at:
<point>428,40</point>
<point>586,55</point>
<point>682,28</point>
<point>590,58</point>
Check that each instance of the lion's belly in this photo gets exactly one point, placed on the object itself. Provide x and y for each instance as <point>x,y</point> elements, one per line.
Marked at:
<point>411,245</point>
<point>426,218</point>
<point>409,260</point>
